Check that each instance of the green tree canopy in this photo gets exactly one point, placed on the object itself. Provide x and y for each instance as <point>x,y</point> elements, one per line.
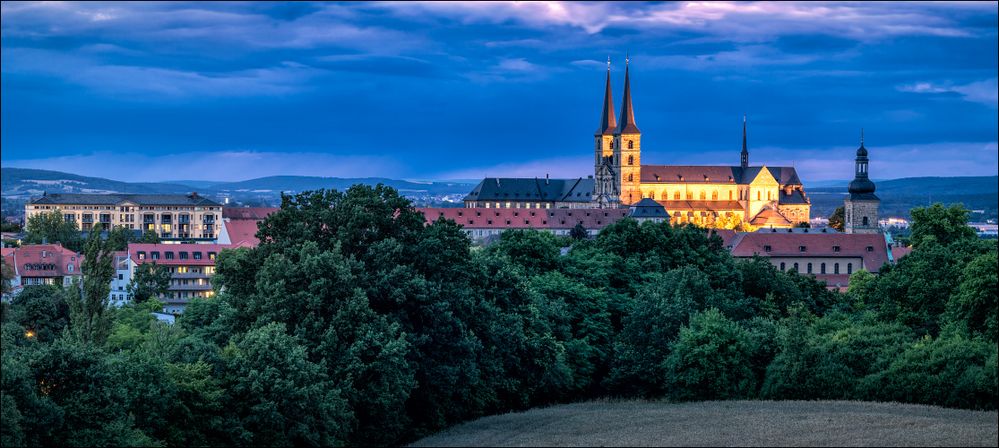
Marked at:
<point>944,224</point>
<point>52,228</point>
<point>148,281</point>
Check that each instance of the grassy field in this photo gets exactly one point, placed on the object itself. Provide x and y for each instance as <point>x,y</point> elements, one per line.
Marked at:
<point>727,423</point>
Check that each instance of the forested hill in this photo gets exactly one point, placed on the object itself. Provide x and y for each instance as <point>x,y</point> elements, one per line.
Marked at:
<point>898,196</point>
<point>23,182</point>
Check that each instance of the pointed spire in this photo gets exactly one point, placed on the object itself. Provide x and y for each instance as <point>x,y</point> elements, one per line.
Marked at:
<point>608,123</point>
<point>744,159</point>
<point>627,125</point>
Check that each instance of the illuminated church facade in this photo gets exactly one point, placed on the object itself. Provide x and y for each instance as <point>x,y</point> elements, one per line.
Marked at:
<point>762,196</point>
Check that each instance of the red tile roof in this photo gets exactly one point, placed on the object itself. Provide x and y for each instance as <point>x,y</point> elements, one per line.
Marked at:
<point>899,252</point>
<point>176,250</point>
<point>242,231</point>
<point>526,218</point>
<point>256,213</point>
<point>770,217</point>
<point>43,260</point>
<point>816,245</point>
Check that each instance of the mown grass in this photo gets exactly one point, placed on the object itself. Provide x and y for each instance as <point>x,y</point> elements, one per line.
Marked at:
<point>727,423</point>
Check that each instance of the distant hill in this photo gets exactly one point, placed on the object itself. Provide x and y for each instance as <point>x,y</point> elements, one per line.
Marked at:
<point>25,183</point>
<point>898,196</point>
<point>304,183</point>
<point>19,185</point>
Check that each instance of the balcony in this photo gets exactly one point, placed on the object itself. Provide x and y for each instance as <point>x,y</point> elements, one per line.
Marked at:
<point>206,287</point>
<point>191,275</point>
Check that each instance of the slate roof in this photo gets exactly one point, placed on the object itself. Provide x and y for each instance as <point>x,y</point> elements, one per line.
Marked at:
<point>785,175</point>
<point>115,199</point>
<point>648,208</point>
<point>796,197</point>
<point>532,190</point>
<point>526,218</point>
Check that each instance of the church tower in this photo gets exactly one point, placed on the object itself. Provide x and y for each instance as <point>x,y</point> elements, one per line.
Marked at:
<point>605,188</point>
<point>861,205</point>
<point>627,148</point>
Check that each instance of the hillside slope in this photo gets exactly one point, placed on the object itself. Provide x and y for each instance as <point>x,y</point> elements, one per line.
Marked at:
<point>728,423</point>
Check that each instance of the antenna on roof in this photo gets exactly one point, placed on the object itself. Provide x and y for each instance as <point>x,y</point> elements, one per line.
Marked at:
<point>861,136</point>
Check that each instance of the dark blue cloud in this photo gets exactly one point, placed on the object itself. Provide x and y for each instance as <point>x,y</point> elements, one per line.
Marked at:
<point>461,89</point>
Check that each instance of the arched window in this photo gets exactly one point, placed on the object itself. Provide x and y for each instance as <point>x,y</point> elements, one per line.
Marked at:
<point>822,268</point>
<point>730,195</point>
<point>612,144</point>
<point>664,196</point>
<point>809,268</point>
<point>835,268</point>
<point>864,221</point>
<point>782,266</point>
<point>757,195</point>
<point>796,267</point>
<point>631,160</point>
<point>849,268</point>
<point>631,145</point>
<point>768,196</point>
<point>690,195</point>
<point>714,195</point>
<point>676,195</point>
<point>703,197</point>
<point>631,177</point>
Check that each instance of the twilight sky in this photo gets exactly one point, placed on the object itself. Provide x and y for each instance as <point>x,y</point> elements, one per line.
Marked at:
<point>232,91</point>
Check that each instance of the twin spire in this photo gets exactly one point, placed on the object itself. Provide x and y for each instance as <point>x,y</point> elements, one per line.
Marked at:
<point>608,123</point>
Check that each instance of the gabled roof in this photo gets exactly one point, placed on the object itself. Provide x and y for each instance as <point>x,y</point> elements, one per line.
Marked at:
<point>532,190</point>
<point>242,231</point>
<point>715,174</point>
<point>690,174</point>
<point>115,199</point>
<point>770,217</point>
<point>783,244</point>
<point>43,260</point>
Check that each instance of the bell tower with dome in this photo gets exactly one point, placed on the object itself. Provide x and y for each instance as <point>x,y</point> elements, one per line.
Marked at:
<point>861,205</point>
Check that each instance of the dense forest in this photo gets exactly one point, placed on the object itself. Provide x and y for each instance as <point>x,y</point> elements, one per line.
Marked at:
<point>354,323</point>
